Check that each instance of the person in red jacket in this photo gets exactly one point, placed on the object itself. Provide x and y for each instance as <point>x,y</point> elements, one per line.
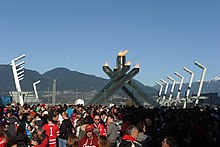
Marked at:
<point>99,129</point>
<point>89,139</point>
<point>52,132</point>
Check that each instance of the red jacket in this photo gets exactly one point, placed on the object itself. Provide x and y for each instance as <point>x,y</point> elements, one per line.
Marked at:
<point>52,132</point>
<point>44,143</point>
<point>101,129</point>
<point>89,142</point>
<point>3,142</point>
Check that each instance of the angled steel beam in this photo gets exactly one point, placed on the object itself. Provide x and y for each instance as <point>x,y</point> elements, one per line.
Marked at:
<point>165,91</point>
<point>161,88</point>
<point>35,89</point>
<point>201,81</point>
<point>189,87</point>
<point>180,86</point>
<point>172,88</point>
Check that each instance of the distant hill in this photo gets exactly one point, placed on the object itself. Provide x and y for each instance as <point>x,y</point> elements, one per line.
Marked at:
<point>65,79</point>
<point>70,80</point>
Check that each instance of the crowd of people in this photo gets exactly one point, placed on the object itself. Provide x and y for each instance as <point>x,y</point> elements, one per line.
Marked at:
<point>102,126</point>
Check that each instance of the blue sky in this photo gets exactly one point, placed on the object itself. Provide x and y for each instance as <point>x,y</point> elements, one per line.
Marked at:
<point>162,36</point>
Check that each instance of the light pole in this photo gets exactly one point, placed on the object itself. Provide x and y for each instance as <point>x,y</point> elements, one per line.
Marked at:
<point>54,92</point>
<point>35,89</point>
<point>165,91</point>
<point>18,72</point>
<point>201,81</point>
<point>180,86</point>
<point>189,87</point>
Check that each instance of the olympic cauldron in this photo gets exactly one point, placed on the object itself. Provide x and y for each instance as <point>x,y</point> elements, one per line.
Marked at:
<point>121,78</point>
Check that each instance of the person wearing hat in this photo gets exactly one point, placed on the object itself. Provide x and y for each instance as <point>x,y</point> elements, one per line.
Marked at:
<point>89,138</point>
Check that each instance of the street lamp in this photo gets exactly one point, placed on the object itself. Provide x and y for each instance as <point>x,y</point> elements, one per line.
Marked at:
<point>35,89</point>
<point>54,92</point>
<point>201,81</point>
<point>189,87</point>
<point>180,86</point>
<point>18,72</point>
<point>165,91</point>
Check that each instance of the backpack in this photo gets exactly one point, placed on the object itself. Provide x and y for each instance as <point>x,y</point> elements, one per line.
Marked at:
<point>68,128</point>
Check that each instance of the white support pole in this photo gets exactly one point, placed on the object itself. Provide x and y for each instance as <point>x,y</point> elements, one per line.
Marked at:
<point>165,91</point>
<point>35,89</point>
<point>180,86</point>
<point>189,87</point>
<point>201,81</point>
<point>18,76</point>
<point>161,87</point>
<point>172,88</point>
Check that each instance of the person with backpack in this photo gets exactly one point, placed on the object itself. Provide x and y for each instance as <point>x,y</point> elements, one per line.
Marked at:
<point>65,130</point>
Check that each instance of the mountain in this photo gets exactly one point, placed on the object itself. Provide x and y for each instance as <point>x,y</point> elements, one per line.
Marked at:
<point>6,78</point>
<point>70,80</point>
<point>65,80</point>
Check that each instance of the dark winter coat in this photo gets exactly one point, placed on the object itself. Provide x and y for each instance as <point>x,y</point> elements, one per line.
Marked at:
<point>65,129</point>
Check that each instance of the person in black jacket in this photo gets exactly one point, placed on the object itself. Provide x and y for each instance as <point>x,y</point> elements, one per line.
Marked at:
<point>13,123</point>
<point>144,139</point>
<point>65,130</point>
<point>21,138</point>
<point>151,130</point>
